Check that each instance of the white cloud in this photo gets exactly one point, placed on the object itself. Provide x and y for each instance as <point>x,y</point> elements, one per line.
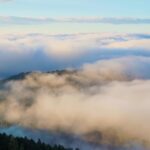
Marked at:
<point>44,20</point>
<point>110,97</point>
<point>102,95</point>
<point>5,0</point>
<point>40,52</point>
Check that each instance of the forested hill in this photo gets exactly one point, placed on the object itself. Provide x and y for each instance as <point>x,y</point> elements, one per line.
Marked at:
<point>15,143</point>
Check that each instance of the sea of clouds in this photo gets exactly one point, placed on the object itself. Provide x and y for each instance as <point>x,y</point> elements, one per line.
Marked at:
<point>102,104</point>
<point>30,52</point>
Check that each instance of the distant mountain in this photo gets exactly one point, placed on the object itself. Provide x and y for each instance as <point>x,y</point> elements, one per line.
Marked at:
<point>23,75</point>
<point>19,76</point>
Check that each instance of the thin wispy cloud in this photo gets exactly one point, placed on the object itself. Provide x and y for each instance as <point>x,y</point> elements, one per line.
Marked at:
<point>5,0</point>
<point>47,20</point>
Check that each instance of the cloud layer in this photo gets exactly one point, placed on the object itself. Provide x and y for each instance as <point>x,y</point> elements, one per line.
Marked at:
<point>44,20</point>
<point>99,105</point>
<point>32,52</point>
<point>104,103</point>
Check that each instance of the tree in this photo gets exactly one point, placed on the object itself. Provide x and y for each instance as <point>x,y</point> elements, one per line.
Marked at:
<point>13,144</point>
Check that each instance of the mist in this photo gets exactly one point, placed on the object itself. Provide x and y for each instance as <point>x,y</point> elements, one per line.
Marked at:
<point>105,103</point>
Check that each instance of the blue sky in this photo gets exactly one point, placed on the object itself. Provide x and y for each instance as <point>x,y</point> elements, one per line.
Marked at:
<point>53,8</point>
<point>75,9</point>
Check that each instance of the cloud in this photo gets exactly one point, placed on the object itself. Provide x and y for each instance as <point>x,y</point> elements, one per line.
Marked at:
<point>111,20</point>
<point>43,20</point>
<point>104,103</point>
<point>29,52</point>
<point>5,0</point>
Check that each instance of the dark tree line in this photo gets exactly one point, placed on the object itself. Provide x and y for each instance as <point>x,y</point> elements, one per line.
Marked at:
<point>16,143</point>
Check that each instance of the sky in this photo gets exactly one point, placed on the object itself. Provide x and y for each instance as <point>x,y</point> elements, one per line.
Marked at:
<point>72,16</point>
<point>43,35</point>
<point>72,8</point>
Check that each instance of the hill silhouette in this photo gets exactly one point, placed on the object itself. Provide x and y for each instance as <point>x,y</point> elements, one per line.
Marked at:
<point>8,142</point>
